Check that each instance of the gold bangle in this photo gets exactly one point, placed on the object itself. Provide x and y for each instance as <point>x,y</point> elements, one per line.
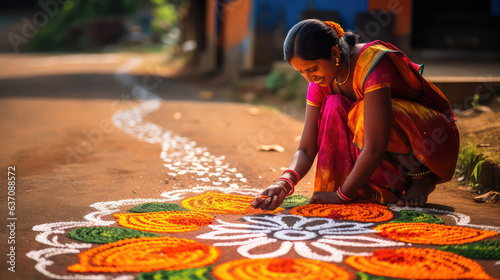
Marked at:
<point>284,189</point>
<point>342,198</point>
<point>282,185</point>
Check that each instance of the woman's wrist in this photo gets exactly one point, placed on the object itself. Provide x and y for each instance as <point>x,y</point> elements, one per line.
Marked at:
<point>291,175</point>
<point>283,182</point>
<point>342,196</point>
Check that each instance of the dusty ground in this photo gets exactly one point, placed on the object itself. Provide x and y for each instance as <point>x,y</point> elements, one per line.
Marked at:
<point>57,132</point>
<point>481,127</point>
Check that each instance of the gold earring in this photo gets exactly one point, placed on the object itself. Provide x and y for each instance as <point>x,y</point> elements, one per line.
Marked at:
<point>337,64</point>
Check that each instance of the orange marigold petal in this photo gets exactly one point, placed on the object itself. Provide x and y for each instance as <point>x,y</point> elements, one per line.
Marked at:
<point>362,212</point>
<point>438,234</point>
<point>167,221</point>
<point>221,203</point>
<point>418,263</point>
<point>146,254</point>
<point>270,269</point>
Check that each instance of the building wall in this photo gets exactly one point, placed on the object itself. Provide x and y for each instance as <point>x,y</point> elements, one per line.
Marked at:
<point>402,10</point>
<point>271,19</point>
<point>235,22</point>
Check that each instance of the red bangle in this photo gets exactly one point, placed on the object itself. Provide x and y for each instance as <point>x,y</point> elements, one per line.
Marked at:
<point>291,185</point>
<point>343,195</point>
<point>297,176</point>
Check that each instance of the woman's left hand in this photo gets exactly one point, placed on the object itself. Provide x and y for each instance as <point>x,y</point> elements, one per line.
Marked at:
<point>326,198</point>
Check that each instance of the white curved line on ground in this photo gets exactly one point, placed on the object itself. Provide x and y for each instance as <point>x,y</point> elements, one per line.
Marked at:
<point>181,156</point>
<point>460,219</point>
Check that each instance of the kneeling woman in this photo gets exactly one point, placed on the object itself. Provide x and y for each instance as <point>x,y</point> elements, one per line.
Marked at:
<point>381,132</point>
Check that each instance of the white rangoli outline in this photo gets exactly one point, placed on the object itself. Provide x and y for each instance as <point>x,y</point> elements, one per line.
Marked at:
<point>264,230</point>
<point>183,157</point>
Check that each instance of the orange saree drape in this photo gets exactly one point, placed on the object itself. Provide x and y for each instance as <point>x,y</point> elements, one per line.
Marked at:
<point>425,128</point>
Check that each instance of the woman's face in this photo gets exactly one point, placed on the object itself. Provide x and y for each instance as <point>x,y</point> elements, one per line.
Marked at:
<point>321,71</point>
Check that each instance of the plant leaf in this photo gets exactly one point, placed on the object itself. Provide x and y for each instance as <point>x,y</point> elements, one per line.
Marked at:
<point>477,170</point>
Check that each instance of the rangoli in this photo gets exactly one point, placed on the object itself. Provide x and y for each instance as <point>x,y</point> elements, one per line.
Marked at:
<point>362,212</point>
<point>327,240</point>
<point>423,233</point>
<point>486,250</point>
<point>157,207</point>
<point>104,235</point>
<point>201,273</point>
<point>221,203</point>
<point>314,238</point>
<point>409,216</point>
<point>146,254</point>
<point>270,269</point>
<point>417,263</point>
<point>171,221</point>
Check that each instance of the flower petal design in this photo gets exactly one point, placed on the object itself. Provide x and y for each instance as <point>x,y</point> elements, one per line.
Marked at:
<point>283,250</point>
<point>424,233</point>
<point>418,263</point>
<point>222,203</point>
<point>362,241</point>
<point>222,233</point>
<point>277,269</point>
<point>146,254</point>
<point>362,212</point>
<point>348,228</point>
<point>169,221</point>
<point>334,254</point>
<point>292,231</point>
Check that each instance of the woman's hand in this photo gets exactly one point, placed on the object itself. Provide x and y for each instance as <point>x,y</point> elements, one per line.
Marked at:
<point>326,198</point>
<point>275,196</point>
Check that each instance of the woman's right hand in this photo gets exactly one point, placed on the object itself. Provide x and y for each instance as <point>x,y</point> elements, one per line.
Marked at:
<point>275,197</point>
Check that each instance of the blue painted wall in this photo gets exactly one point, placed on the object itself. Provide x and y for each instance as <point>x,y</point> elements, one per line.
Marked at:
<point>271,13</point>
<point>495,7</point>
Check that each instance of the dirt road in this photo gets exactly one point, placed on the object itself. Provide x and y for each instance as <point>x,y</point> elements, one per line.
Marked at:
<point>95,134</point>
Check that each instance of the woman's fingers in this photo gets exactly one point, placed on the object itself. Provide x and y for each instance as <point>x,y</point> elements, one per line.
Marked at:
<point>274,203</point>
<point>264,205</point>
<point>269,199</point>
<point>256,202</point>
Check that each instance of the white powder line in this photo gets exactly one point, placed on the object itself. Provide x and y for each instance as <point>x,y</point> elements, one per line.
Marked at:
<point>460,219</point>
<point>291,231</point>
<point>181,156</point>
<point>42,257</point>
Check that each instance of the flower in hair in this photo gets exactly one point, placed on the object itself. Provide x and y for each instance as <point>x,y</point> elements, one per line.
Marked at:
<point>336,27</point>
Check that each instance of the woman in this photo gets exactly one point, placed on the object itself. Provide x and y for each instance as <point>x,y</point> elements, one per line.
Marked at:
<point>381,132</point>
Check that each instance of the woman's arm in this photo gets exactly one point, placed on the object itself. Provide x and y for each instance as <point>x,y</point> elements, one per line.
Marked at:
<point>301,162</point>
<point>377,121</point>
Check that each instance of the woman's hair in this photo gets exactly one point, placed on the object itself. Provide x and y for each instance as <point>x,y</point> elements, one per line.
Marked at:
<point>313,39</point>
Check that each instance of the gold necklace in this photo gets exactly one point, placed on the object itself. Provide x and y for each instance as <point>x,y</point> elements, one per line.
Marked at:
<point>348,72</point>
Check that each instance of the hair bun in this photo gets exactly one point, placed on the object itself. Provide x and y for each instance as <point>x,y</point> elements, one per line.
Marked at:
<point>337,28</point>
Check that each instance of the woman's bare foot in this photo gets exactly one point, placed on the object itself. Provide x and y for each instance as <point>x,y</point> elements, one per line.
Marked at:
<point>326,198</point>
<point>418,191</point>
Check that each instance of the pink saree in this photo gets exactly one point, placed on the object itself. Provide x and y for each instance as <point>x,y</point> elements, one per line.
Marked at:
<point>424,127</point>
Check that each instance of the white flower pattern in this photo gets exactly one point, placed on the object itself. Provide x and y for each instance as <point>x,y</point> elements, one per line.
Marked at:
<point>300,233</point>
